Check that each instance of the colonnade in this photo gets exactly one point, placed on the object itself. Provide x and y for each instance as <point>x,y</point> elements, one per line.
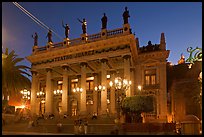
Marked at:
<point>49,98</point>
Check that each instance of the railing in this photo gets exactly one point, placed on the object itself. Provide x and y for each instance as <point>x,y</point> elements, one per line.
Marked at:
<point>151,86</point>
<point>94,37</point>
<point>75,41</point>
<point>115,32</point>
<point>60,44</point>
<point>41,48</point>
<point>90,38</point>
<point>149,116</point>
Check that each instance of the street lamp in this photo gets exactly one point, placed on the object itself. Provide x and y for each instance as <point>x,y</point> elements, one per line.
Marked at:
<point>197,57</point>
<point>57,92</point>
<point>120,85</point>
<point>25,95</point>
<point>98,90</point>
<point>77,90</point>
<point>41,95</point>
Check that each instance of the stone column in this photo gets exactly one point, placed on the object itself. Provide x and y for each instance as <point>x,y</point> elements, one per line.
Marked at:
<point>132,86</point>
<point>112,94</point>
<point>65,90</point>
<point>38,100</point>
<point>138,77</point>
<point>127,71</point>
<point>163,92</point>
<point>78,95</point>
<point>55,105</point>
<point>49,92</point>
<point>103,83</point>
<point>95,94</point>
<point>83,86</point>
<point>33,100</point>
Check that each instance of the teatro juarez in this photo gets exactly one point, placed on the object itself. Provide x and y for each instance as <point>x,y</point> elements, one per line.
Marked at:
<point>83,75</point>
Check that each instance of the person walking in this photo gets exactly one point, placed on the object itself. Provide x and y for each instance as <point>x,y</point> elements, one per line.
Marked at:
<point>85,126</point>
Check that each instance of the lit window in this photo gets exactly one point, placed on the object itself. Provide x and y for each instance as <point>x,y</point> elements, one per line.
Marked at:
<point>150,77</point>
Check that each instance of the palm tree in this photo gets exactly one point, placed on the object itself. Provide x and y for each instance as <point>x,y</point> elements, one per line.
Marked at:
<point>14,77</point>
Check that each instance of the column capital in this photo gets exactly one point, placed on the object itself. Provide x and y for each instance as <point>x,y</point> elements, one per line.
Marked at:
<point>95,74</point>
<point>33,72</point>
<point>113,72</point>
<point>82,64</point>
<point>104,60</point>
<point>65,67</point>
<point>126,57</point>
<point>48,69</point>
<point>78,76</point>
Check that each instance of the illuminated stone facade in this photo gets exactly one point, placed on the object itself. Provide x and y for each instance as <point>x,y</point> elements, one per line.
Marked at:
<point>93,60</point>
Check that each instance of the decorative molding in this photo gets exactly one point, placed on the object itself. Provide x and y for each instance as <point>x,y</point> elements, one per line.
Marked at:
<point>104,60</point>
<point>127,57</point>
<point>48,69</point>
<point>83,64</point>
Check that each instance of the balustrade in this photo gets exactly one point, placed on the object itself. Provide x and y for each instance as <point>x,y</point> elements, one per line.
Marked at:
<point>91,38</point>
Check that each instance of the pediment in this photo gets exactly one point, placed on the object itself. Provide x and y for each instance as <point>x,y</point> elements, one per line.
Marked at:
<point>150,61</point>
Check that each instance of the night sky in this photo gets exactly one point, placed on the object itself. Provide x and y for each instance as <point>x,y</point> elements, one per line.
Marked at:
<point>180,21</point>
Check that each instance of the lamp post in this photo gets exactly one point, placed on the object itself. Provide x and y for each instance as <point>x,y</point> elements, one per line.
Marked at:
<point>25,96</point>
<point>192,59</point>
<point>98,89</point>
<point>41,95</point>
<point>77,90</point>
<point>58,94</point>
<point>120,85</point>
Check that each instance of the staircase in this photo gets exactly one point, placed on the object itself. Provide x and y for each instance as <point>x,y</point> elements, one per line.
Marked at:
<point>102,125</point>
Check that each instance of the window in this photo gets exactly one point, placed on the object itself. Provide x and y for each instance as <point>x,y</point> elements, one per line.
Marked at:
<point>89,85</point>
<point>150,77</point>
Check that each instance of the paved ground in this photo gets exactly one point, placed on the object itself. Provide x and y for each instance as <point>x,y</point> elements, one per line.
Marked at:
<point>31,133</point>
<point>50,127</point>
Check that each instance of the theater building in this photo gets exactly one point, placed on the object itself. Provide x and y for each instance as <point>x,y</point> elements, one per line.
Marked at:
<point>58,69</point>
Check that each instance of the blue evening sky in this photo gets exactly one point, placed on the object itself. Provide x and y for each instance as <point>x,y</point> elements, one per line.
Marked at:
<point>180,21</point>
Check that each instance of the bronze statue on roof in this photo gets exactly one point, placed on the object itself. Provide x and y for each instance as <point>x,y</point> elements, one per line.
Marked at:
<point>126,15</point>
<point>104,20</point>
<point>84,24</point>
<point>35,39</point>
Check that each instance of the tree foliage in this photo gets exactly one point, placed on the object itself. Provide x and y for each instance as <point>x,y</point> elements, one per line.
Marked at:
<point>14,76</point>
<point>138,104</point>
<point>133,106</point>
